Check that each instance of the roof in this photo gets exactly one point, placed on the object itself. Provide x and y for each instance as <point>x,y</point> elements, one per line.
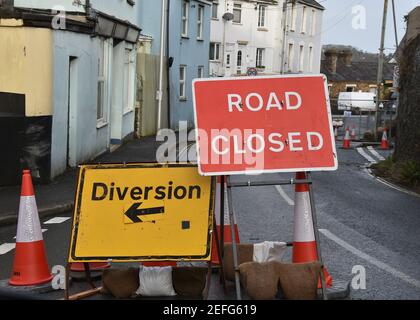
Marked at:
<point>357,71</point>
<point>312,3</point>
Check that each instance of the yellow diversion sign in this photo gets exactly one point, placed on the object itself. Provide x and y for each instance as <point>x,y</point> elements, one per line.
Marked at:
<point>141,212</point>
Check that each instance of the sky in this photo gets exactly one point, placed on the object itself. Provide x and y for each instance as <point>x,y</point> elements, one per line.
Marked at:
<point>345,23</point>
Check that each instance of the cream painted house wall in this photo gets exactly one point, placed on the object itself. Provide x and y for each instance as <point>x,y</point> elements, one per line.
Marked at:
<point>26,65</point>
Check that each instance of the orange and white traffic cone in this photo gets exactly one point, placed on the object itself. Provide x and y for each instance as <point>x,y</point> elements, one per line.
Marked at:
<point>226,230</point>
<point>384,142</point>
<point>353,133</point>
<point>346,141</point>
<point>30,265</point>
<point>304,245</point>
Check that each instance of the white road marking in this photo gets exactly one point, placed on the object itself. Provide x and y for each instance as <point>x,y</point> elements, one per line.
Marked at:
<point>285,196</point>
<point>365,155</point>
<point>57,220</point>
<point>388,184</point>
<point>42,230</point>
<point>6,248</point>
<point>381,265</point>
<point>375,153</point>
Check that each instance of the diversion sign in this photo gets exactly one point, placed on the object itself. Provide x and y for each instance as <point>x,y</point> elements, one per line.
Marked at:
<point>263,124</point>
<point>142,212</point>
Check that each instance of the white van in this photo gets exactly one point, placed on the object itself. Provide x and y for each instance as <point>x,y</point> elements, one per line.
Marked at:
<point>348,101</point>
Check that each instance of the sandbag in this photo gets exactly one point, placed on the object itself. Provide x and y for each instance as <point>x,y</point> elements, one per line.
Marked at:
<point>269,251</point>
<point>189,281</point>
<point>260,280</point>
<point>121,283</point>
<point>245,254</point>
<point>299,281</point>
<point>155,282</point>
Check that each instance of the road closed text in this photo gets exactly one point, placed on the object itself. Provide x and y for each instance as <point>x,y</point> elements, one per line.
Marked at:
<point>260,141</point>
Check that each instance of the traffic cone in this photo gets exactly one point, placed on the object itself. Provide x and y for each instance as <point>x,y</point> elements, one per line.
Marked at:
<point>384,142</point>
<point>93,266</point>
<point>227,238</point>
<point>30,265</point>
<point>353,133</point>
<point>346,141</point>
<point>304,245</point>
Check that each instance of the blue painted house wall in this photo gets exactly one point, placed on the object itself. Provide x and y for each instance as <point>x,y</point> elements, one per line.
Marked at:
<point>188,51</point>
<point>149,15</point>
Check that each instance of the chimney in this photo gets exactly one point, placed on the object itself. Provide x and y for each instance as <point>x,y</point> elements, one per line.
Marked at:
<point>6,8</point>
<point>331,57</point>
<point>346,56</point>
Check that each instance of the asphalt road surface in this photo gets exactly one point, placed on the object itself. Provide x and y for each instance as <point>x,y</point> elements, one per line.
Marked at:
<point>362,221</point>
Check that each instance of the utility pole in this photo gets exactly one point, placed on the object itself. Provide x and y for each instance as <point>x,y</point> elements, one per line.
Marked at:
<point>381,65</point>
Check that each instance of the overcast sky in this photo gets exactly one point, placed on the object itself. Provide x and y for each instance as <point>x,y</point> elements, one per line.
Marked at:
<point>339,20</point>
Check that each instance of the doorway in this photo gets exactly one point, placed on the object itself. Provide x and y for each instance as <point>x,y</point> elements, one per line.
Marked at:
<point>72,104</point>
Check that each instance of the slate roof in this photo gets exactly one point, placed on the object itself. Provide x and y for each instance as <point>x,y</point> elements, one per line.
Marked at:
<point>312,3</point>
<point>357,71</point>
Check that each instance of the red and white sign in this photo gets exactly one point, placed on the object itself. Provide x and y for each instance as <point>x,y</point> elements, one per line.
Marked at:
<point>263,124</point>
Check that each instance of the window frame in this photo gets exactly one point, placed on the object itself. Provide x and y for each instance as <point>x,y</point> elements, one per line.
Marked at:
<point>185,18</point>
<point>215,5</point>
<point>200,72</point>
<point>304,20</point>
<point>103,79</point>
<point>290,54</point>
<point>262,16</point>
<point>313,25</point>
<point>260,55</point>
<point>200,22</point>
<point>301,58</point>
<point>238,8</point>
<point>218,46</point>
<point>182,82</point>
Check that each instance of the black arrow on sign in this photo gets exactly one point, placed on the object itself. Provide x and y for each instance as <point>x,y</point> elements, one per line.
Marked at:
<point>134,213</point>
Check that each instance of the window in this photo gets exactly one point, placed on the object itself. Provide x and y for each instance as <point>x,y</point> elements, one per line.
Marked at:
<point>290,56</point>
<point>261,16</point>
<point>200,18</point>
<point>100,107</point>
<point>129,80</point>
<point>228,60</point>
<point>260,58</point>
<point>303,27</point>
<point>214,9</point>
<point>214,51</point>
<point>311,58</point>
<point>372,89</point>
<point>182,78</point>
<point>350,87</point>
<point>185,7</point>
<point>313,28</point>
<point>301,59</point>
<point>237,13</point>
<point>200,73</point>
<point>239,62</point>
<point>293,17</point>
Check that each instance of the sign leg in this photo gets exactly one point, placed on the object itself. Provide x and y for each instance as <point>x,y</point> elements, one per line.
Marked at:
<point>219,255</point>
<point>234,248</point>
<point>316,233</point>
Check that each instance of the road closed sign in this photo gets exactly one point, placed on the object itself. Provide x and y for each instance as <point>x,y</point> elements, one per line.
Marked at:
<point>263,124</point>
<point>142,212</point>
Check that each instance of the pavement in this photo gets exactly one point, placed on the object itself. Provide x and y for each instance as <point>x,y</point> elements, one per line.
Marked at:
<point>58,196</point>
<point>364,224</point>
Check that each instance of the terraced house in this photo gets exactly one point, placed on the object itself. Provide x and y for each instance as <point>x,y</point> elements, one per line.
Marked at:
<point>67,82</point>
